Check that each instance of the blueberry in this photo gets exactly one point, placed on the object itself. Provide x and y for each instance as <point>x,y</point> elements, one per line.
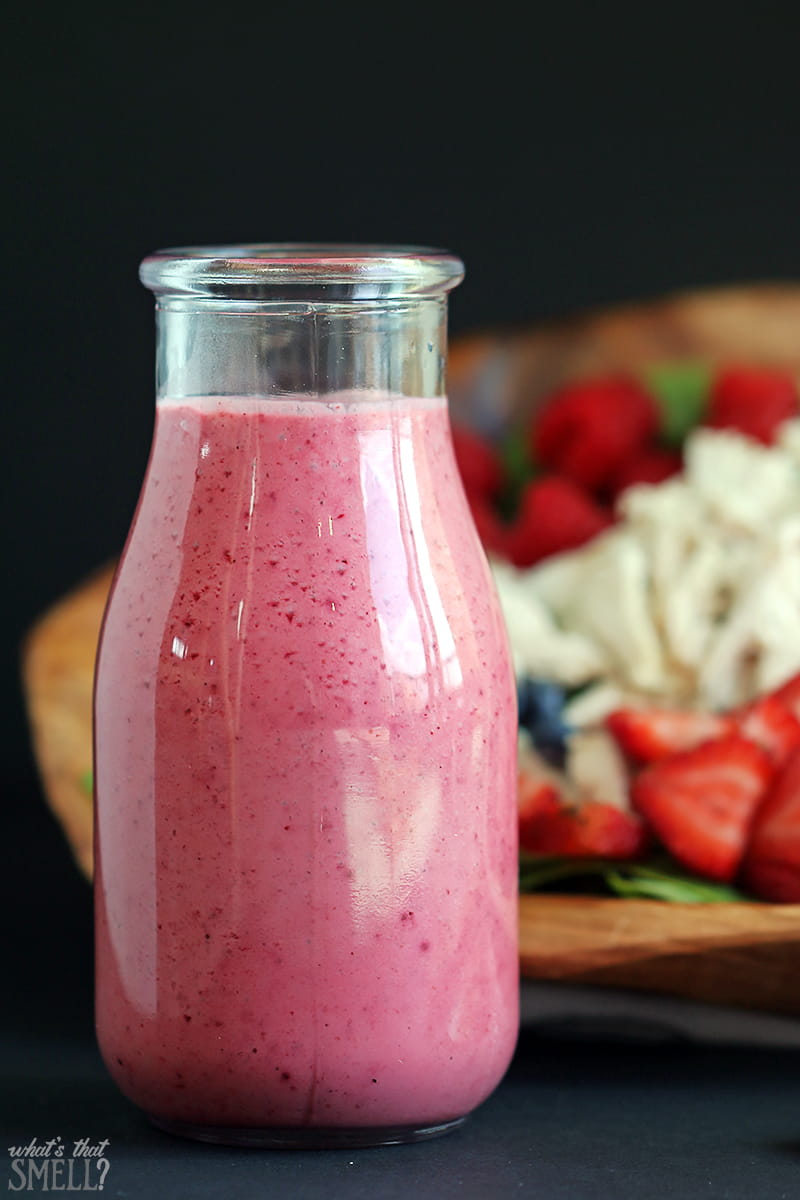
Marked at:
<point>539,700</point>
<point>541,711</point>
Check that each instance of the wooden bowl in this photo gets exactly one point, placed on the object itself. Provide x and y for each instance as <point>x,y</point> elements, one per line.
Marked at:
<point>746,955</point>
<point>58,679</point>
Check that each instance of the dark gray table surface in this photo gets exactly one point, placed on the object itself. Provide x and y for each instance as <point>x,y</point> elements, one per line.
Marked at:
<point>573,1118</point>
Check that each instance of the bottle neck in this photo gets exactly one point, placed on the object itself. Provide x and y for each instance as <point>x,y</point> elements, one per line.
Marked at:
<point>258,349</point>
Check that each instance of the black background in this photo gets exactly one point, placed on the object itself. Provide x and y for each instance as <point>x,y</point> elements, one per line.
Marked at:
<point>573,155</point>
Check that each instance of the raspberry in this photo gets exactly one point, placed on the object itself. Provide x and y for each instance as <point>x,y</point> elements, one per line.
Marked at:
<point>588,430</point>
<point>554,515</point>
<point>478,462</point>
<point>654,464</point>
<point>752,400</point>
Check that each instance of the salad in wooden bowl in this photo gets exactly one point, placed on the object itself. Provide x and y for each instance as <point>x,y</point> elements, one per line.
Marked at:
<point>635,478</point>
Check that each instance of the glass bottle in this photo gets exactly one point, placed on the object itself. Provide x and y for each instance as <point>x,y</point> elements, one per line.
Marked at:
<point>305,719</point>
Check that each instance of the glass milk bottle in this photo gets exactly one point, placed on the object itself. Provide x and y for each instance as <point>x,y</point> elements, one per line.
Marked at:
<point>305,719</point>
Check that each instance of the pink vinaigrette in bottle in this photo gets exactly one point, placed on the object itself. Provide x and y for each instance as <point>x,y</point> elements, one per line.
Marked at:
<point>305,720</point>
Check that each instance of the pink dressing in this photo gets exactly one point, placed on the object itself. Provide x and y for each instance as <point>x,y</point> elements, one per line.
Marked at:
<point>305,765</point>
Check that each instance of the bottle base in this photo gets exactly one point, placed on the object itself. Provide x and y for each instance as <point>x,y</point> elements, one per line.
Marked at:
<point>306,1137</point>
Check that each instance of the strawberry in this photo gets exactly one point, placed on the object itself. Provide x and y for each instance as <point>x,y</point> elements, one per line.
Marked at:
<point>649,734</point>
<point>478,462</point>
<point>589,830</point>
<point>588,430</point>
<point>771,868</point>
<point>554,515</point>
<point>653,464</point>
<point>788,694</point>
<point>771,725</point>
<point>701,802</point>
<point>538,801</point>
<point>752,400</point>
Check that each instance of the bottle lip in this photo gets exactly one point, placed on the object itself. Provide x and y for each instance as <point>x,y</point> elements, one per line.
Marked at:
<point>308,271</point>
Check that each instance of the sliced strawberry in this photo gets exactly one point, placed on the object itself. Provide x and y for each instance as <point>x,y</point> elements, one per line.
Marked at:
<point>789,695</point>
<point>554,515</point>
<point>771,725</point>
<point>649,734</point>
<point>588,430</point>
<point>588,830</point>
<point>771,867</point>
<point>701,803</point>
<point>538,801</point>
<point>478,462</point>
<point>654,464</point>
<point>752,400</point>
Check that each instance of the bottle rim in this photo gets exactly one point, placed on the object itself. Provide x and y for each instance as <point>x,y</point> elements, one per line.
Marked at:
<point>307,270</point>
